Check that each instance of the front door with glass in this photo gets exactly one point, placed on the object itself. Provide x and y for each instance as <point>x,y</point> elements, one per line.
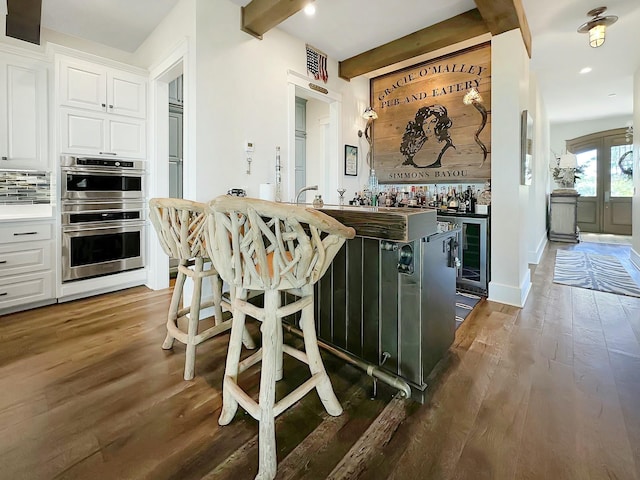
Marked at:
<point>604,182</point>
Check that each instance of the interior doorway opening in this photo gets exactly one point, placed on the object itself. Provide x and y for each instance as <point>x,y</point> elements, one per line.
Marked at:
<point>318,131</point>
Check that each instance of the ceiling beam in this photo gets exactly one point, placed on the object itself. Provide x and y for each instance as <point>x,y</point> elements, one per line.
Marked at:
<point>260,16</point>
<point>504,15</point>
<point>456,29</point>
<point>23,20</point>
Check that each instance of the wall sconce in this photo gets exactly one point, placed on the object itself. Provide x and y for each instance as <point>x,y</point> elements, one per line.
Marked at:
<point>369,115</point>
<point>597,26</point>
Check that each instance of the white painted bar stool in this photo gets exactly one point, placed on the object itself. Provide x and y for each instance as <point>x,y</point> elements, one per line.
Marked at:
<point>180,225</point>
<point>271,247</point>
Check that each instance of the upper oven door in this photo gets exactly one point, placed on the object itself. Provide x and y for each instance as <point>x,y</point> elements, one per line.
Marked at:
<point>86,184</point>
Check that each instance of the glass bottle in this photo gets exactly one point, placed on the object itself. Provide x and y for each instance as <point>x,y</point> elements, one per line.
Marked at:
<point>373,187</point>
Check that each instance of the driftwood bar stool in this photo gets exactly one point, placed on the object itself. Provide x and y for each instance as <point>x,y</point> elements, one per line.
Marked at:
<point>270,247</point>
<point>180,225</point>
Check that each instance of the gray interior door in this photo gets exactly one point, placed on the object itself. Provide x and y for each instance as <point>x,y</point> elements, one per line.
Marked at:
<point>175,152</point>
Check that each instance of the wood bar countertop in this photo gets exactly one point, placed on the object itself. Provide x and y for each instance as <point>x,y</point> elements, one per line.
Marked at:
<point>386,223</point>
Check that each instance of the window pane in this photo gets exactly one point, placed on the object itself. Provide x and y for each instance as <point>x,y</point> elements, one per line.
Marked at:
<point>587,181</point>
<point>622,171</point>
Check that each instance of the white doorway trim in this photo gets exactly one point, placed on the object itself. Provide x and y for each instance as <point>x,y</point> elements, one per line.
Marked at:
<point>297,83</point>
<point>161,74</point>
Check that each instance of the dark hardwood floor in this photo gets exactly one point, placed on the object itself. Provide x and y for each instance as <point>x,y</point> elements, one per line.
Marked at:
<point>551,391</point>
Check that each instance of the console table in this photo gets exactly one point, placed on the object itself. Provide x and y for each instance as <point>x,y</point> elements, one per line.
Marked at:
<point>563,216</point>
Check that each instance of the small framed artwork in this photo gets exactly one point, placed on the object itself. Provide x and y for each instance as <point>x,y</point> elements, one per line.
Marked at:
<point>350,160</point>
<point>526,148</point>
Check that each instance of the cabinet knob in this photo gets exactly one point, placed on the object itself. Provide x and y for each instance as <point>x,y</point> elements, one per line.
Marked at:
<point>5,158</point>
<point>104,105</point>
<point>110,106</point>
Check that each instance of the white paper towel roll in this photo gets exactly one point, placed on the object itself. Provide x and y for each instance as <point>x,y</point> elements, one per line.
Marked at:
<point>268,191</point>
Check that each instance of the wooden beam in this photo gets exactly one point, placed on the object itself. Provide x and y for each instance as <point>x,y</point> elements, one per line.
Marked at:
<point>23,20</point>
<point>260,16</point>
<point>457,29</point>
<point>504,15</point>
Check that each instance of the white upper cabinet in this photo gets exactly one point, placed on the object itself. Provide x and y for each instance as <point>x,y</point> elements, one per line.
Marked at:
<point>103,89</point>
<point>90,133</point>
<point>23,113</point>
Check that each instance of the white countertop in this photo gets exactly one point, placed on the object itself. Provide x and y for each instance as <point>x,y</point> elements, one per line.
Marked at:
<point>13,213</point>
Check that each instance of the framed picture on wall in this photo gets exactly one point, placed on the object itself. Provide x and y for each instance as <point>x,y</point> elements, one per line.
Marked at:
<point>350,160</point>
<point>526,148</point>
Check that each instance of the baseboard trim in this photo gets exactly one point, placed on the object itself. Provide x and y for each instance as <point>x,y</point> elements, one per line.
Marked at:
<point>534,257</point>
<point>510,295</point>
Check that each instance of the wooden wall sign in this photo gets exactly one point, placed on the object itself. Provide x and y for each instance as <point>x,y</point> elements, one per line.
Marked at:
<point>433,121</point>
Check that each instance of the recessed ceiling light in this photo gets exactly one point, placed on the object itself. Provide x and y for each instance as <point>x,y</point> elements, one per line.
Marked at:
<point>585,70</point>
<point>310,9</point>
<point>612,95</point>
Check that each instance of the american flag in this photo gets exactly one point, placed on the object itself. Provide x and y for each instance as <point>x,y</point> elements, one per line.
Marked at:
<point>317,64</point>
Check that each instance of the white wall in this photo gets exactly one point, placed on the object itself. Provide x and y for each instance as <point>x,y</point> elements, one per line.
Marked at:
<point>242,94</point>
<point>510,279</point>
<point>536,215</point>
<point>635,252</point>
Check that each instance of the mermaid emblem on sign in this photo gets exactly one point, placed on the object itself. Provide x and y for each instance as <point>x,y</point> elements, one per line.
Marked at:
<point>436,120</point>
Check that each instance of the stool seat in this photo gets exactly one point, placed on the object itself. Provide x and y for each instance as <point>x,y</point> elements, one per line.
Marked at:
<point>274,248</point>
<point>180,226</point>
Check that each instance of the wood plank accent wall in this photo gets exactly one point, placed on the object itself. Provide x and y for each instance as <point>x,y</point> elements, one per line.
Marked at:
<point>425,133</point>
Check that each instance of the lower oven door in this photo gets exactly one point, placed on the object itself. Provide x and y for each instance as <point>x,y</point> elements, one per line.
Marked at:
<point>101,250</point>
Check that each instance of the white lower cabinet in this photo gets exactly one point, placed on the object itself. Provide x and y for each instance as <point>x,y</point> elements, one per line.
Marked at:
<point>27,269</point>
<point>89,133</point>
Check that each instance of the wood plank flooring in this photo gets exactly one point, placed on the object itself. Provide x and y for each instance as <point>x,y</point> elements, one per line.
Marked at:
<point>550,391</point>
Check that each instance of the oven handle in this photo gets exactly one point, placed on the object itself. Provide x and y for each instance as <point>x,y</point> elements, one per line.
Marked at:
<point>103,171</point>
<point>85,228</point>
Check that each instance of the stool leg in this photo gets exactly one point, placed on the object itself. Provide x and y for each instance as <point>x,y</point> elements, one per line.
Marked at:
<point>176,300</point>
<point>325,390</point>
<point>217,298</point>
<point>194,318</point>
<point>229,404</point>
<point>279,340</point>
<point>267,431</point>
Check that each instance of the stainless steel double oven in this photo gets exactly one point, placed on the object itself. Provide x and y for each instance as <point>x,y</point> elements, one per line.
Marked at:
<point>103,216</point>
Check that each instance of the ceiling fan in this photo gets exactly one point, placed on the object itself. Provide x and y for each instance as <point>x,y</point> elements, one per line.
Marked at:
<point>597,26</point>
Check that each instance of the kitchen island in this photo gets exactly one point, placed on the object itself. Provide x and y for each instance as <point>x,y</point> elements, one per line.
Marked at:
<point>389,296</point>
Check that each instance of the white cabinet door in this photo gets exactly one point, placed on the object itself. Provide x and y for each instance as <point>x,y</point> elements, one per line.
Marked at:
<point>126,94</point>
<point>99,88</point>
<point>82,132</point>
<point>83,85</point>
<point>127,137</point>
<point>23,113</point>
<point>90,133</point>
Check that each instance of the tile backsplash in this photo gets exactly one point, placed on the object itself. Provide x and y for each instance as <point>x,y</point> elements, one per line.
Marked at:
<point>24,187</point>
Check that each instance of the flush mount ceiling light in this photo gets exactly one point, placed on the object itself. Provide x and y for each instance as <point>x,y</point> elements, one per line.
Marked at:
<point>310,9</point>
<point>597,26</point>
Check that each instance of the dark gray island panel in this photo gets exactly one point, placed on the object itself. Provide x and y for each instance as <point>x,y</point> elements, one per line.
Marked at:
<point>392,303</point>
